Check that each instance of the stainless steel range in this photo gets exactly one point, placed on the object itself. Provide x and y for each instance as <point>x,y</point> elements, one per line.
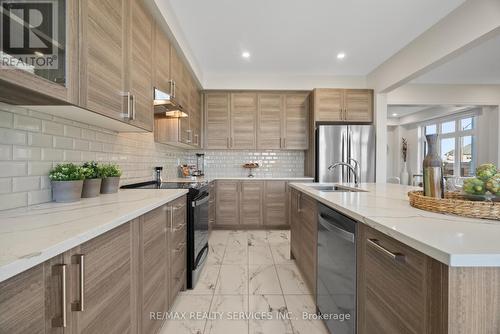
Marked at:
<point>197,222</point>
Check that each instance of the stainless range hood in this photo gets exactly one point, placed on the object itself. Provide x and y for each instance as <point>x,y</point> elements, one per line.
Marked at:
<point>166,106</point>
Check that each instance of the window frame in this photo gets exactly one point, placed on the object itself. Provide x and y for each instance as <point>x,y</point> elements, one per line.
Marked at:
<point>457,135</point>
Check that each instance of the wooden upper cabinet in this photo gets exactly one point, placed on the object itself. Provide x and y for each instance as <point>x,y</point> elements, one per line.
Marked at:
<point>141,65</point>
<point>328,105</point>
<point>177,74</point>
<point>59,83</point>
<point>154,267</point>
<point>275,203</point>
<point>296,121</point>
<point>358,105</point>
<point>269,126</point>
<point>161,60</point>
<point>343,105</point>
<point>102,56</point>
<point>243,120</point>
<point>217,120</point>
<point>227,203</point>
<point>107,283</point>
<point>251,202</point>
<point>195,112</point>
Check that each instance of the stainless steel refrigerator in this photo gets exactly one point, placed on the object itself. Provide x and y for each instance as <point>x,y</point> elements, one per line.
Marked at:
<point>341,143</point>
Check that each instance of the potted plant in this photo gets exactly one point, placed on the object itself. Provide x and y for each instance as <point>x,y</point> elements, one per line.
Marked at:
<point>67,182</point>
<point>110,178</point>
<point>92,182</point>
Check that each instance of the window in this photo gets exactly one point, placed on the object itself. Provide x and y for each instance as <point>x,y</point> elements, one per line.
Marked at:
<point>455,135</point>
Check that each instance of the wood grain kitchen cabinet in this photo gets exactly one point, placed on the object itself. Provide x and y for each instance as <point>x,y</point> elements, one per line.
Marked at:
<point>30,302</point>
<point>161,60</point>
<point>251,193</point>
<point>269,124</point>
<point>154,267</point>
<point>296,121</point>
<point>217,120</point>
<point>294,217</point>
<point>275,203</point>
<point>103,53</point>
<point>343,105</point>
<point>177,247</point>
<point>400,290</point>
<point>358,105</point>
<point>227,203</point>
<point>195,113</point>
<point>109,284</point>
<point>328,105</point>
<point>51,86</point>
<point>243,121</point>
<point>140,64</point>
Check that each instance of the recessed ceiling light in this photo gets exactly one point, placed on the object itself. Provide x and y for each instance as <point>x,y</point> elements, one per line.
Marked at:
<point>394,114</point>
<point>340,55</point>
<point>245,54</point>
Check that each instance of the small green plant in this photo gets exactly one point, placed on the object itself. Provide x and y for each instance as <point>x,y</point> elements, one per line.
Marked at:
<point>66,172</point>
<point>110,170</point>
<point>91,170</point>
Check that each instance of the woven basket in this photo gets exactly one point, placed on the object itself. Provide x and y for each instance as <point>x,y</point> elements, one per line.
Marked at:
<point>455,204</point>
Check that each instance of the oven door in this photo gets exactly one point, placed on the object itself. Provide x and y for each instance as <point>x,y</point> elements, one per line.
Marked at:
<point>200,233</point>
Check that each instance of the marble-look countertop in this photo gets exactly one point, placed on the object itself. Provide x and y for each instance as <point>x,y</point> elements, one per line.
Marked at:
<point>453,240</point>
<point>32,235</point>
<point>243,178</point>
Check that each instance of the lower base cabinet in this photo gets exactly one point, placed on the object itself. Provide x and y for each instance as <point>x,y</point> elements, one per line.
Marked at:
<point>304,236</point>
<point>250,204</point>
<point>109,284</point>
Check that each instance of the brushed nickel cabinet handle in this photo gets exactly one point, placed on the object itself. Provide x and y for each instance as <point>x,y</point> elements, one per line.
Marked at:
<point>79,306</point>
<point>62,320</point>
<point>299,197</point>
<point>395,256</point>
<point>133,108</point>
<point>128,99</point>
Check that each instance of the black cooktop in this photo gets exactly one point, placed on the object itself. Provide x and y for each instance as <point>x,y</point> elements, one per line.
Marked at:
<point>166,185</point>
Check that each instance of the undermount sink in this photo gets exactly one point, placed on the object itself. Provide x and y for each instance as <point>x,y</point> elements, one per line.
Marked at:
<point>332,188</point>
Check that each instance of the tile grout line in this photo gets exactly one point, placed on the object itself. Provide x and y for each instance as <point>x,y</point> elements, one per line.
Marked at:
<point>281,287</point>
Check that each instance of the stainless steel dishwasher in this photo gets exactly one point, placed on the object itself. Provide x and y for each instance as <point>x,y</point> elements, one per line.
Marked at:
<point>336,291</point>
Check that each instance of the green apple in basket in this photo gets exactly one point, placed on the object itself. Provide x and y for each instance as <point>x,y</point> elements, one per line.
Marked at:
<point>474,186</point>
<point>486,171</point>
<point>493,185</point>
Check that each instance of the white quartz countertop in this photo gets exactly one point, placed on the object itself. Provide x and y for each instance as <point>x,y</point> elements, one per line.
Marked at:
<point>452,240</point>
<point>245,178</point>
<point>32,235</point>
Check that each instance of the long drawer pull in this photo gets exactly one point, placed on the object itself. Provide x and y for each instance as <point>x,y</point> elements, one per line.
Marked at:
<point>395,256</point>
<point>62,320</point>
<point>78,306</point>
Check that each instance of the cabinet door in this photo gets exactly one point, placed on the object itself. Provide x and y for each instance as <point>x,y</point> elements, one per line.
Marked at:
<point>177,247</point>
<point>107,283</point>
<point>140,64</point>
<point>227,208</point>
<point>251,202</point>
<point>295,237</point>
<point>270,111</point>
<point>392,293</point>
<point>60,82</point>
<point>296,122</point>
<point>211,206</point>
<point>161,60</point>
<point>195,113</point>
<point>177,74</point>
<point>328,105</point>
<point>309,240</point>
<point>154,267</point>
<point>243,120</point>
<point>358,104</point>
<point>275,203</point>
<point>217,120</point>
<point>102,57</point>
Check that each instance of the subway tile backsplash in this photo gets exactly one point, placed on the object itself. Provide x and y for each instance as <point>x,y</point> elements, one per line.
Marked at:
<point>32,142</point>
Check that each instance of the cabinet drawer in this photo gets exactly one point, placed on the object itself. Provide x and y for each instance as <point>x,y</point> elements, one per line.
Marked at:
<point>400,285</point>
<point>178,235</point>
<point>179,212</point>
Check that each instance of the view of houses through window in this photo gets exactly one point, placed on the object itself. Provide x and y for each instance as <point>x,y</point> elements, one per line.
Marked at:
<point>457,146</point>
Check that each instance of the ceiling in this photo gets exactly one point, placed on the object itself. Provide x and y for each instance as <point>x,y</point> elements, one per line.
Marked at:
<point>401,110</point>
<point>479,65</point>
<point>293,37</point>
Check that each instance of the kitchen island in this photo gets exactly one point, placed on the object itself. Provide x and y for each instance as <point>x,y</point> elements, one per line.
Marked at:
<point>417,271</point>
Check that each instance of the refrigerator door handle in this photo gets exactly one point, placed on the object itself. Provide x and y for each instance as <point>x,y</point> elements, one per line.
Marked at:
<point>342,168</point>
<point>349,153</point>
